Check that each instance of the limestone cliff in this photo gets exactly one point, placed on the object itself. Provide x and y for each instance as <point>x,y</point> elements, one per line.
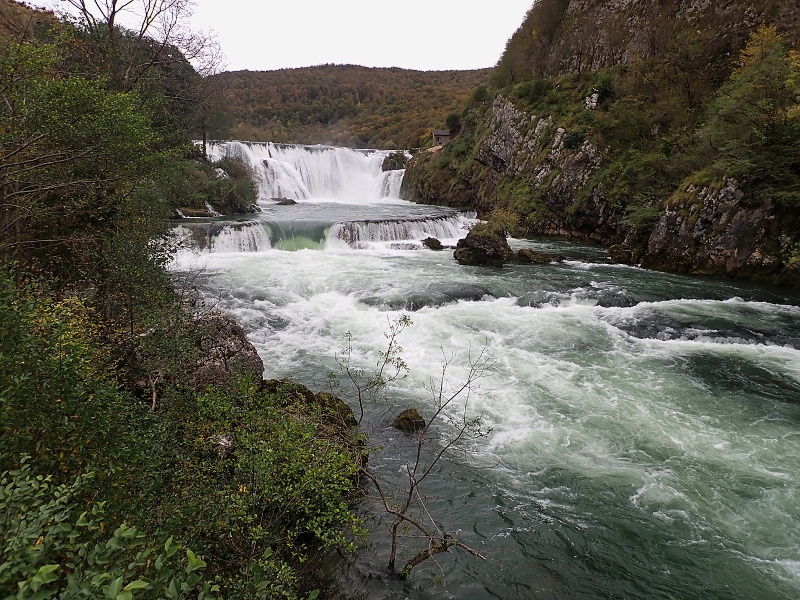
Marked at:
<point>728,231</point>
<point>529,153</point>
<point>641,140</point>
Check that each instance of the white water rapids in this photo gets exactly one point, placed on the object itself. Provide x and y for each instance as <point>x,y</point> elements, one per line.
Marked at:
<point>645,427</point>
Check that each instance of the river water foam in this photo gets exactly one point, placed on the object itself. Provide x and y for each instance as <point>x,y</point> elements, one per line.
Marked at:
<point>645,427</point>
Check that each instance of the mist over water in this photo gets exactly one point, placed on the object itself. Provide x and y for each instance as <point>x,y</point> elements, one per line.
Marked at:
<point>645,427</point>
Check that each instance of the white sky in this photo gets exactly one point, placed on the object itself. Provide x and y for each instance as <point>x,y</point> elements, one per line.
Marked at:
<point>413,34</point>
<point>262,35</point>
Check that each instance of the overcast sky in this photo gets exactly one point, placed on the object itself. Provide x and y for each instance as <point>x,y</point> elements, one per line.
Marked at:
<point>413,34</point>
<point>427,35</point>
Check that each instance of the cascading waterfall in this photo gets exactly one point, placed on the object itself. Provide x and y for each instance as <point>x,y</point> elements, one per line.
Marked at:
<point>244,238</point>
<point>305,172</point>
<point>249,236</point>
<point>356,232</point>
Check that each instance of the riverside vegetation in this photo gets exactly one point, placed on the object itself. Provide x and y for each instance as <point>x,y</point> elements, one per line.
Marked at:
<point>122,475</point>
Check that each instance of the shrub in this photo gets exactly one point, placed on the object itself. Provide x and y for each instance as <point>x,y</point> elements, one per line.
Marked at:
<point>53,549</point>
<point>574,139</point>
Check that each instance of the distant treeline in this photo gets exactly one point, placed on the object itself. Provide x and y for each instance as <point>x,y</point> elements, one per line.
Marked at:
<point>341,104</point>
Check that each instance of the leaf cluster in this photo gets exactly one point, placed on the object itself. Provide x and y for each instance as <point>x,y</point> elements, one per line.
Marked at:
<point>53,549</point>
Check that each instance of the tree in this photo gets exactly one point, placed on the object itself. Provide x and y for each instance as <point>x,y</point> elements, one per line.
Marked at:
<point>70,152</point>
<point>752,125</point>
<point>411,517</point>
<point>139,35</point>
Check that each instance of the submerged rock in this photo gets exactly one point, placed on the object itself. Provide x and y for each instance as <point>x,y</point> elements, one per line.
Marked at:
<point>528,256</point>
<point>284,201</point>
<point>435,294</point>
<point>409,421</point>
<point>432,243</point>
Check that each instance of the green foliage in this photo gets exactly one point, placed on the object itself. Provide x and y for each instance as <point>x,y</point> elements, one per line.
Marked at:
<point>642,216</point>
<point>574,139</point>
<point>96,353</point>
<point>533,91</point>
<point>51,548</point>
<point>278,487</point>
<point>59,403</point>
<point>752,125</point>
<point>345,105</point>
<point>453,120</point>
<point>479,96</point>
<point>190,182</point>
<point>282,492</point>
<point>68,147</point>
<point>500,222</point>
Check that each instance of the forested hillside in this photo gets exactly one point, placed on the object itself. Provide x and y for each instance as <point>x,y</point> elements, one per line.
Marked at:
<point>343,105</point>
<point>669,130</point>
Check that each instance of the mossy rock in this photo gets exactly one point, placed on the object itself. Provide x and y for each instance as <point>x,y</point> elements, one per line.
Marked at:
<point>483,249</point>
<point>394,161</point>
<point>432,243</point>
<point>409,421</point>
<point>331,409</point>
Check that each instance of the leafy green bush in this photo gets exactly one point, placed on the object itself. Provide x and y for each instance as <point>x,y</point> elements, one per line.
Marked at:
<point>479,96</point>
<point>53,549</point>
<point>500,222</point>
<point>58,401</point>
<point>453,120</point>
<point>277,487</point>
<point>533,91</point>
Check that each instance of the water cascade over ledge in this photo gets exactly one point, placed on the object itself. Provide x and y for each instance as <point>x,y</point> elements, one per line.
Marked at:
<point>304,172</point>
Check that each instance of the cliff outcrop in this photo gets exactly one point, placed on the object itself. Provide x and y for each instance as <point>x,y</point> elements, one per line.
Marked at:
<point>522,157</point>
<point>730,231</point>
<point>673,137</point>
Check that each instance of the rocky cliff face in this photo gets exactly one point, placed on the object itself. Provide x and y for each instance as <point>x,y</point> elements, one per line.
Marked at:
<point>532,154</point>
<point>730,231</point>
<point>624,156</point>
<point>571,36</point>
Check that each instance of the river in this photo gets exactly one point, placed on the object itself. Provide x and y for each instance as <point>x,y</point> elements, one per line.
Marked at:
<point>644,428</point>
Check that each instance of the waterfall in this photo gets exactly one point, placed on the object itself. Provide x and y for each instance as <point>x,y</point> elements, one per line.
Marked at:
<point>355,233</point>
<point>250,236</point>
<point>304,172</point>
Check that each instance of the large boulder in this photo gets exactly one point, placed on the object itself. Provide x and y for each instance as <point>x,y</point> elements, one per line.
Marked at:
<point>483,248</point>
<point>394,161</point>
<point>409,421</point>
<point>225,352</point>
<point>432,243</point>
